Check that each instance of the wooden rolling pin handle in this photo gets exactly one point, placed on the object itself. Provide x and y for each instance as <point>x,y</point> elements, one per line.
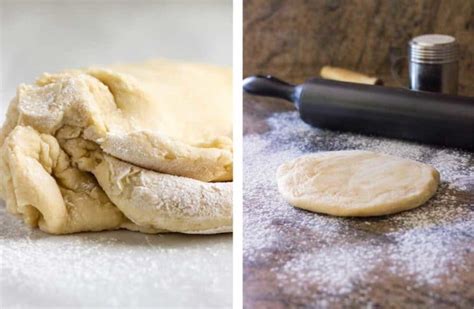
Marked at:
<point>344,75</point>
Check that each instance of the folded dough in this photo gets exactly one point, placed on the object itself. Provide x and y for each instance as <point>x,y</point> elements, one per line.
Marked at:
<point>166,202</point>
<point>166,116</point>
<point>40,183</point>
<point>131,131</point>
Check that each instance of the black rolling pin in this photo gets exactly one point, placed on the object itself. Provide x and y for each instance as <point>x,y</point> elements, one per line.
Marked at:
<point>424,117</point>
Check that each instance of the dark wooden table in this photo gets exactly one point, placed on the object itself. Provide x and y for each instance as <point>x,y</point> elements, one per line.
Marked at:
<point>423,258</point>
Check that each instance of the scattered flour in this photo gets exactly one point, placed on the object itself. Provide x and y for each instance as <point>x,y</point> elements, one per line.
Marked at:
<point>313,254</point>
<point>112,269</point>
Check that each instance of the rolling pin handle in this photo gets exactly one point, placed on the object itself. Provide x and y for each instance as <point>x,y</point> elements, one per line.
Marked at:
<point>271,86</point>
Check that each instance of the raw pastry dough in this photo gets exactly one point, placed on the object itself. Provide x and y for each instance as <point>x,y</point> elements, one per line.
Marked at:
<point>39,182</point>
<point>183,205</point>
<point>170,117</point>
<point>356,183</point>
<point>131,146</point>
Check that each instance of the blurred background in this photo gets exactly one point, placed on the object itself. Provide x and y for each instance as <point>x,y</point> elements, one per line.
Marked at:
<point>294,39</point>
<point>46,36</point>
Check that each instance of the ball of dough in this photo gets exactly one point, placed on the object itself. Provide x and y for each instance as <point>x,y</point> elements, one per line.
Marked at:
<point>356,183</point>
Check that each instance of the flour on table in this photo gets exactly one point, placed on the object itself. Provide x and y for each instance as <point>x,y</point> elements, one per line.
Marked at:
<point>335,256</point>
<point>110,269</point>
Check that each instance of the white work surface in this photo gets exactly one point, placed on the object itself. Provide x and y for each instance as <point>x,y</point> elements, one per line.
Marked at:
<point>119,268</point>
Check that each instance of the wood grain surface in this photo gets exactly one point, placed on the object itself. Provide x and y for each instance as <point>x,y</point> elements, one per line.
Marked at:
<point>293,40</point>
<point>288,237</point>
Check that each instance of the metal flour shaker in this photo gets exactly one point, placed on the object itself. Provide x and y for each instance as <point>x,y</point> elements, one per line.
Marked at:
<point>433,63</point>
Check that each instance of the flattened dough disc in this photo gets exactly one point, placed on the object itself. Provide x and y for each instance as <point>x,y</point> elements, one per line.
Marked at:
<point>356,183</point>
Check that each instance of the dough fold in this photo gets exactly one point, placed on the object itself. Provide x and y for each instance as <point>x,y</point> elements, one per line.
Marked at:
<point>43,187</point>
<point>169,117</point>
<point>184,205</point>
<point>143,147</point>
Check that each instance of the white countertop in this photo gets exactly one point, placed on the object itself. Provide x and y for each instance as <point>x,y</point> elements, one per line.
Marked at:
<point>118,268</point>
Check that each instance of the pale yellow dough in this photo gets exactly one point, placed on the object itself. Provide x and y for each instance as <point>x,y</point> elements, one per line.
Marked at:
<point>141,146</point>
<point>171,117</point>
<point>356,183</point>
